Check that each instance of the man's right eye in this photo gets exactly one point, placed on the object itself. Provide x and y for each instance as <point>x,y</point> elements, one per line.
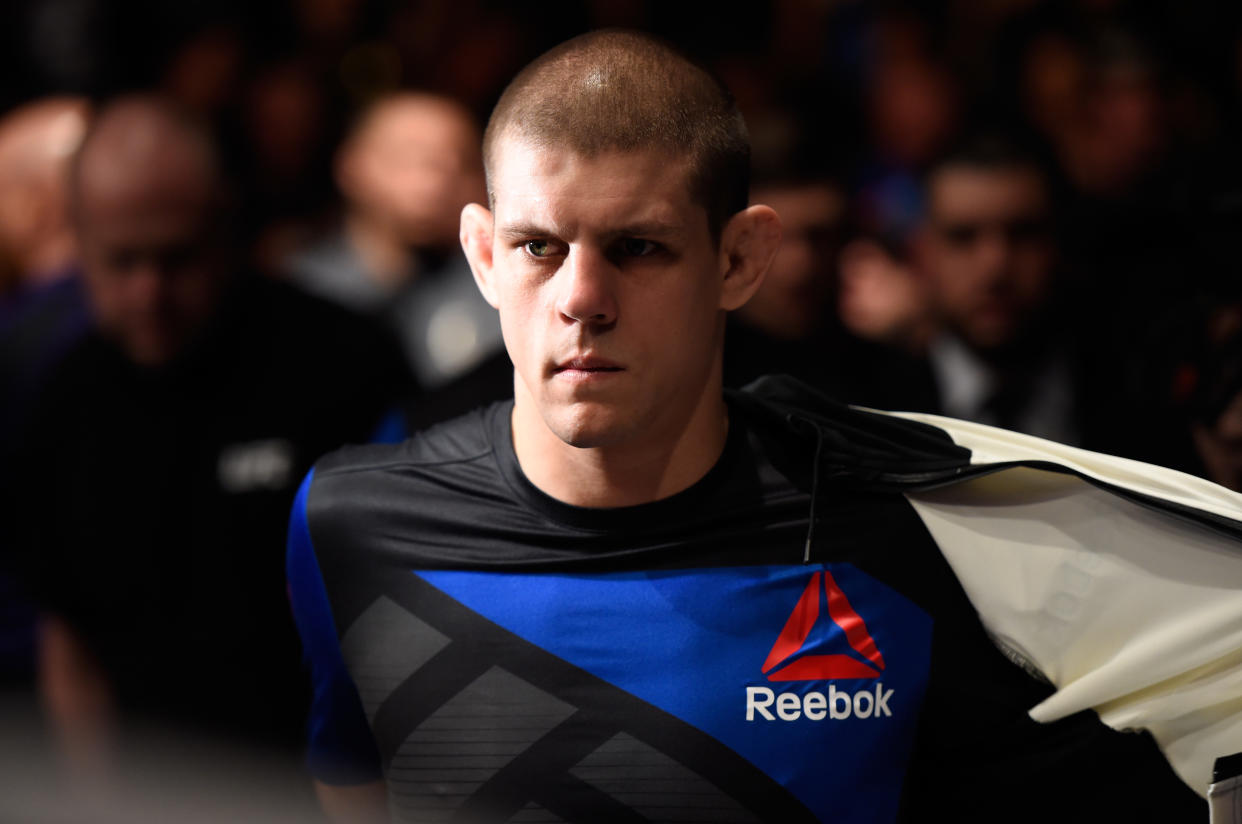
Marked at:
<point>961,234</point>
<point>538,248</point>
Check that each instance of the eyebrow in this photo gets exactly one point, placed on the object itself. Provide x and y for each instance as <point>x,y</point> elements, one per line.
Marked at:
<point>515,231</point>
<point>645,228</point>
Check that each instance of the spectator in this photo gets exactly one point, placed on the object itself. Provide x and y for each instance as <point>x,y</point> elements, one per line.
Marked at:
<point>36,142</point>
<point>153,485</point>
<point>1125,181</point>
<point>406,170</point>
<point>285,128</point>
<point>912,110</point>
<point>989,257</point>
<point>41,307</point>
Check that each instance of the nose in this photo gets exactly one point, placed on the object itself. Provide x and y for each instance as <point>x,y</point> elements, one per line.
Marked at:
<point>147,285</point>
<point>994,254</point>
<point>587,288</point>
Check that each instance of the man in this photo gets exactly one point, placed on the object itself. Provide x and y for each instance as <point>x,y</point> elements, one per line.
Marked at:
<point>41,306</point>
<point>622,596</point>
<point>36,239</point>
<point>167,447</point>
<point>406,170</point>
<point>989,258</point>
<point>42,310</point>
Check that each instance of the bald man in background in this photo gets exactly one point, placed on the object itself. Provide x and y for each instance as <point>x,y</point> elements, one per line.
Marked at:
<point>153,485</point>
<point>406,169</point>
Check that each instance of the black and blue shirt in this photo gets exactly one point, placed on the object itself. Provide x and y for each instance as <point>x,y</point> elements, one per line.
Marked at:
<point>782,641</point>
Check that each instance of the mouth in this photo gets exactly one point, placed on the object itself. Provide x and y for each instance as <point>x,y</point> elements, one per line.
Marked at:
<point>587,366</point>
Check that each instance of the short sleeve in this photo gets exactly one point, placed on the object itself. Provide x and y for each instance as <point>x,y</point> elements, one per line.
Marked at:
<point>341,748</point>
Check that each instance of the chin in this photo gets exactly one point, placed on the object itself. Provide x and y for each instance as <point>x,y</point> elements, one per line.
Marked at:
<point>590,425</point>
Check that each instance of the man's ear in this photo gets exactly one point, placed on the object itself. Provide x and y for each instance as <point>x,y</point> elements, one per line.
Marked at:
<point>476,241</point>
<point>747,245</point>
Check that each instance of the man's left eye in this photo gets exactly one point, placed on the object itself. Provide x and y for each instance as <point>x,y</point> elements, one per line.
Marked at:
<point>637,247</point>
<point>538,248</point>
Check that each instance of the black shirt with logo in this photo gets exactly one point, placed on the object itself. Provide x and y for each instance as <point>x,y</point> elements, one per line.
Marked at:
<point>151,505</point>
<point>782,641</point>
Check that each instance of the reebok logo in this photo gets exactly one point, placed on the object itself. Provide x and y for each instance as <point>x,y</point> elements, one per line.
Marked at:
<point>793,659</point>
<point>837,704</point>
<point>822,667</point>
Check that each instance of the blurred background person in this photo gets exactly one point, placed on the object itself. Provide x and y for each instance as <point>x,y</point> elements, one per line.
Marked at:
<point>910,105</point>
<point>989,257</point>
<point>910,102</point>
<point>281,133</point>
<point>151,490</point>
<point>405,170</point>
<point>1122,178</point>
<point>42,311</point>
<point>36,241</point>
<point>1021,342</point>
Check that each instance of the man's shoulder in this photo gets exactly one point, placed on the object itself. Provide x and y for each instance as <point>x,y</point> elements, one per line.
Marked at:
<point>427,499</point>
<point>449,462</point>
<point>793,420</point>
<point>461,440</point>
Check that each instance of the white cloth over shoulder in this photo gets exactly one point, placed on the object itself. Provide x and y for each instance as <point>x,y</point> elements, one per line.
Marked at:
<point>1128,610</point>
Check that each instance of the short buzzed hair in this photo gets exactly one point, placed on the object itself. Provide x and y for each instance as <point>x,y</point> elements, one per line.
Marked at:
<point>616,90</point>
<point>989,151</point>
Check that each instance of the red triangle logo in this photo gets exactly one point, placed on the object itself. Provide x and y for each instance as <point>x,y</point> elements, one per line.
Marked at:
<point>798,628</point>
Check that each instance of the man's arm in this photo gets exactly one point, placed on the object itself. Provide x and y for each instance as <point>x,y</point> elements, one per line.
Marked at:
<point>342,755</point>
<point>77,698</point>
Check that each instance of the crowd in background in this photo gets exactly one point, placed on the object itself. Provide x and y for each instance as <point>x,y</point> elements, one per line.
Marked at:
<point>228,243</point>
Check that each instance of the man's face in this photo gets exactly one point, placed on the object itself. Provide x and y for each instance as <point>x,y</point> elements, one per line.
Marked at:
<point>988,253</point>
<point>609,287</point>
<point>150,267</point>
<point>413,168</point>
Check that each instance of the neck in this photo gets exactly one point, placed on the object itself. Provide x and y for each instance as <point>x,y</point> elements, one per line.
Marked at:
<point>659,462</point>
